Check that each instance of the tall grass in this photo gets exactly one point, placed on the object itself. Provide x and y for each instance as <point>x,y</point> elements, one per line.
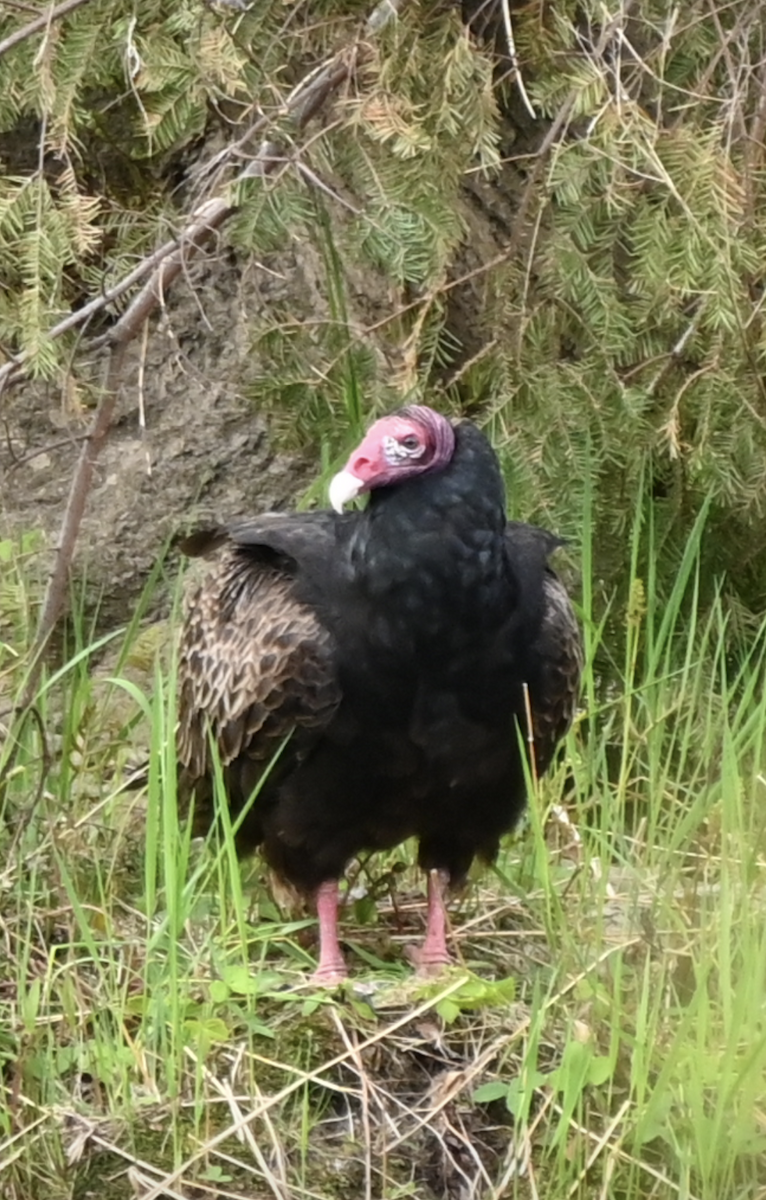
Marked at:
<point>604,1034</point>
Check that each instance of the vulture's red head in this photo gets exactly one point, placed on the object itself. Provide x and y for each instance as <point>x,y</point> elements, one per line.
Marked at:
<point>406,443</point>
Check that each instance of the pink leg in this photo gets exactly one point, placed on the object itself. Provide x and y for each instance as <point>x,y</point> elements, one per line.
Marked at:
<point>434,953</point>
<point>331,967</point>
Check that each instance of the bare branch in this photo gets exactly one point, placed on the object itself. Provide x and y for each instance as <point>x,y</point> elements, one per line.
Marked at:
<point>508,26</point>
<point>754,150</point>
<point>303,103</point>
<point>41,22</point>
<point>312,93</point>
<point>13,371</point>
<point>56,591</point>
<point>163,268</point>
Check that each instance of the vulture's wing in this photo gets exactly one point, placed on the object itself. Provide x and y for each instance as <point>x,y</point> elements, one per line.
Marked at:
<point>255,661</point>
<point>552,660</point>
<point>558,650</point>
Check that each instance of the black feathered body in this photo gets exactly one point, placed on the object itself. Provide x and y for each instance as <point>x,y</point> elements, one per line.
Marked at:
<point>394,646</point>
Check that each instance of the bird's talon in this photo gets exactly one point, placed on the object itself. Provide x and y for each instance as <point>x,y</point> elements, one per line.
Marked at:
<point>329,976</point>
<point>431,970</point>
<point>427,964</point>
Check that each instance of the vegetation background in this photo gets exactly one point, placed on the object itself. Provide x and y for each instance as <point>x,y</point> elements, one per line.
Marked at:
<point>229,233</point>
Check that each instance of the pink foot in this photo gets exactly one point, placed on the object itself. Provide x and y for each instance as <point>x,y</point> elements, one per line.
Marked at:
<point>427,967</point>
<point>433,955</point>
<point>328,975</point>
<point>331,968</point>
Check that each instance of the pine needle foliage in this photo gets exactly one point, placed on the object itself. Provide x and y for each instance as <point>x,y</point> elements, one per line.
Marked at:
<point>635,326</point>
<point>611,334</point>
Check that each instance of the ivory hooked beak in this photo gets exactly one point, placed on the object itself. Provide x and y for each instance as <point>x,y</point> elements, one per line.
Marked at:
<point>344,487</point>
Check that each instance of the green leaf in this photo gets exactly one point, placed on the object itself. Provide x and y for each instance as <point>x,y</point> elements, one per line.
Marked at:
<point>448,1010</point>
<point>240,981</point>
<point>520,1092</point>
<point>206,1032</point>
<point>600,1069</point>
<point>256,1027</point>
<point>219,991</point>
<point>365,910</point>
<point>496,1089</point>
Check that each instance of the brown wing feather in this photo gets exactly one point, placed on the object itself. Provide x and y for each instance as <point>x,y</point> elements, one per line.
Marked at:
<point>254,665</point>
<point>559,650</point>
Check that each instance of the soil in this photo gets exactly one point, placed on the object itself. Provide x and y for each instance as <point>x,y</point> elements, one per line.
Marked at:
<point>204,454</point>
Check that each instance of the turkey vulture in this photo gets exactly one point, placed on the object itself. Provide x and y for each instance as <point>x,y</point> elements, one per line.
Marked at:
<point>393,645</point>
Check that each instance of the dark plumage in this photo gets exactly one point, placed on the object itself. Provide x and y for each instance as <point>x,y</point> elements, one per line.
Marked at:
<point>394,645</point>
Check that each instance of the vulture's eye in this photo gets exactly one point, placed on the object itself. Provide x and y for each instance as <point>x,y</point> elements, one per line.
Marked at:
<point>403,451</point>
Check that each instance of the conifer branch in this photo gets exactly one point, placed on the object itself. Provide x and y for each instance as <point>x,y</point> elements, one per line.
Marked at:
<point>306,100</point>
<point>163,267</point>
<point>45,20</point>
<point>13,371</point>
<point>311,94</point>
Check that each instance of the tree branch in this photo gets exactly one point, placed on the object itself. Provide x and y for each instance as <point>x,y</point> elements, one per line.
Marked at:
<point>13,371</point>
<point>304,102</point>
<point>42,22</point>
<point>163,267</point>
